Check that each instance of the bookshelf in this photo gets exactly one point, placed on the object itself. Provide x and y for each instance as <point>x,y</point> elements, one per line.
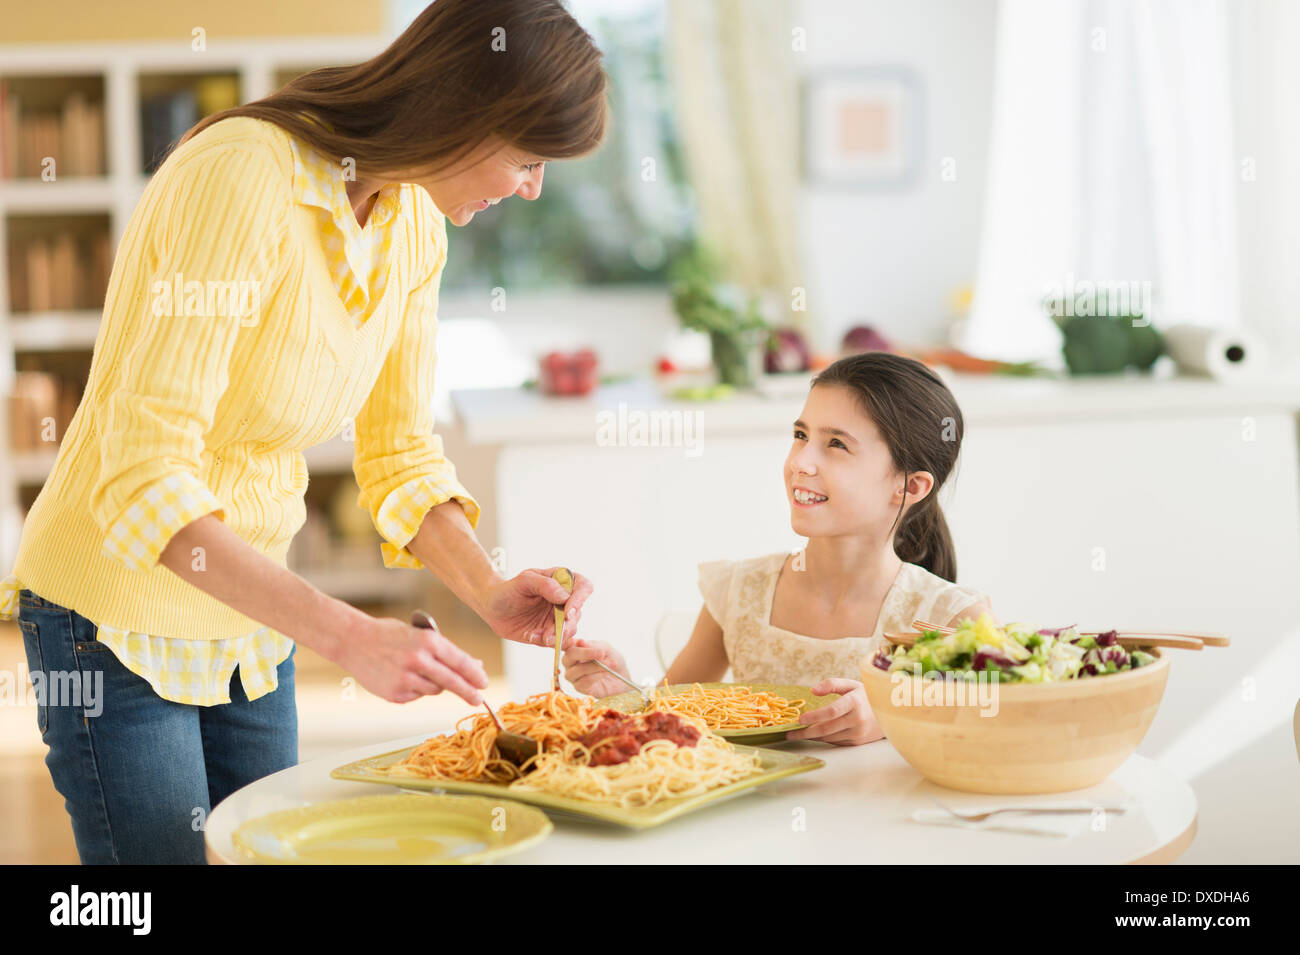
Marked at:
<point>104,111</point>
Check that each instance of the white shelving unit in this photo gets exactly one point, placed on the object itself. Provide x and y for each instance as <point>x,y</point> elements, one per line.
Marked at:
<point>260,65</point>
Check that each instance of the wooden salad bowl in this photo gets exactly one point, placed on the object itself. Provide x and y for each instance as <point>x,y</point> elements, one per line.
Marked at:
<point>1039,738</point>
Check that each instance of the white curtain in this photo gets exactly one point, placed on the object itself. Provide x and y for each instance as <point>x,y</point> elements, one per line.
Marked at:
<point>737,107</point>
<point>1266,34</point>
<point>1112,161</point>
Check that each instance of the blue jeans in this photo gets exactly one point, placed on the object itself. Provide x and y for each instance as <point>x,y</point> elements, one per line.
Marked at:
<point>139,774</point>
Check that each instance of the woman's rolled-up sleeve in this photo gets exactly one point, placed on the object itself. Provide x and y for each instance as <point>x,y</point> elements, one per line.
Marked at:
<point>212,216</point>
<point>399,462</point>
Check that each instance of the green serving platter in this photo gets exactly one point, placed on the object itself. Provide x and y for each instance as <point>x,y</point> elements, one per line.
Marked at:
<point>630,702</point>
<point>774,764</point>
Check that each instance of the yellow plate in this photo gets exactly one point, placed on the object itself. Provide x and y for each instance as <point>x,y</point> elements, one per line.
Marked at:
<point>417,829</point>
<point>774,765</point>
<point>630,702</point>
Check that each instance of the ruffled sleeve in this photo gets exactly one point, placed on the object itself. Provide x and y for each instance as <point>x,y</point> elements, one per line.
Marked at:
<point>715,587</point>
<point>954,600</point>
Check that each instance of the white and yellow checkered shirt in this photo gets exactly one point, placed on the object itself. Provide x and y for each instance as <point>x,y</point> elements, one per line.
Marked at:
<point>198,672</point>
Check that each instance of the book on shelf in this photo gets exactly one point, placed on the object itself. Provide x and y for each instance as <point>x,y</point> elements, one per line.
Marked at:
<point>40,280</point>
<point>72,135</point>
<point>166,117</point>
<point>42,404</point>
<point>65,272</point>
<point>62,271</point>
<point>8,131</point>
<point>83,137</point>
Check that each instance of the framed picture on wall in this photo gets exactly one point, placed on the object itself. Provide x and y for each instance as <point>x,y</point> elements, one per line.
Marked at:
<point>861,127</point>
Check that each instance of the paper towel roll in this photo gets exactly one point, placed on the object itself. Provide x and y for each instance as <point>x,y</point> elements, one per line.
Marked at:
<point>1218,353</point>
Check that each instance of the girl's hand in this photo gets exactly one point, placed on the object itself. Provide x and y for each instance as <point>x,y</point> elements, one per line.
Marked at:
<point>402,663</point>
<point>523,608</point>
<point>588,678</point>
<point>847,721</point>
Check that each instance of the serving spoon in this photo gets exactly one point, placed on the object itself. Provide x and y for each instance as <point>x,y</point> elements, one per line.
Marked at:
<point>647,696</point>
<point>513,747</point>
<point>565,579</point>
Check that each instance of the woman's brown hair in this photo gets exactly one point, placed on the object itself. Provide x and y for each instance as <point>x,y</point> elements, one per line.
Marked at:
<point>463,71</point>
<point>920,422</point>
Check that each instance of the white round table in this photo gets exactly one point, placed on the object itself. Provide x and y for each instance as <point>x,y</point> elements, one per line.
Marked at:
<point>856,809</point>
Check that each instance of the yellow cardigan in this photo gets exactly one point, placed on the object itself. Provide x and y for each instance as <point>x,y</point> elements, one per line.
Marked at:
<point>225,350</point>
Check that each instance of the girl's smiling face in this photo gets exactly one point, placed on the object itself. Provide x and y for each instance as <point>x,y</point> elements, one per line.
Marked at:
<point>839,475</point>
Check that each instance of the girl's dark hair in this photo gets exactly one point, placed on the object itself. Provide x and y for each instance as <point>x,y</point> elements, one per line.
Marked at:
<point>464,70</point>
<point>919,420</point>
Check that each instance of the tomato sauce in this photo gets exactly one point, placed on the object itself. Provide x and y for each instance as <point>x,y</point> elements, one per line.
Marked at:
<point>619,736</point>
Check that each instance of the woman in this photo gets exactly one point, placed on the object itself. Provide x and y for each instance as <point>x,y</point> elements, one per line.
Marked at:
<point>277,281</point>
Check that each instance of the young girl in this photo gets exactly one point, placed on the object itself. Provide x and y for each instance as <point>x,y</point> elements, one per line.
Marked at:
<point>878,436</point>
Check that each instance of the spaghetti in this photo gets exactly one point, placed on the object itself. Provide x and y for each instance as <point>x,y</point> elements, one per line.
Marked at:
<point>731,707</point>
<point>661,770</point>
<point>683,759</point>
<point>470,754</point>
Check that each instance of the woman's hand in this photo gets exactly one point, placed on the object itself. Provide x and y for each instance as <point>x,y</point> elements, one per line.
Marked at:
<point>588,678</point>
<point>847,721</point>
<point>523,608</point>
<point>402,663</point>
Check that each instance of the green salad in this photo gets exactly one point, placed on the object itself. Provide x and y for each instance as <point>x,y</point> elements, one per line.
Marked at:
<point>1016,653</point>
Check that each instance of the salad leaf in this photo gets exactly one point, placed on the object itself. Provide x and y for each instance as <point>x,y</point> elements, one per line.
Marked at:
<point>1017,653</point>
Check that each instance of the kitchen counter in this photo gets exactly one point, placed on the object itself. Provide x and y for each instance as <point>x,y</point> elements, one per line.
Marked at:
<point>499,415</point>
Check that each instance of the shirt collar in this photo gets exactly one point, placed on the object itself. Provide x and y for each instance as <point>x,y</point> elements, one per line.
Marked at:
<point>319,182</point>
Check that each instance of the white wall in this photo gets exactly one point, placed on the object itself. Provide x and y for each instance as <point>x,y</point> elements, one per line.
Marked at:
<point>893,258</point>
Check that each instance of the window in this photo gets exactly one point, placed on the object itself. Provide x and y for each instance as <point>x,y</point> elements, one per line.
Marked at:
<point>616,217</point>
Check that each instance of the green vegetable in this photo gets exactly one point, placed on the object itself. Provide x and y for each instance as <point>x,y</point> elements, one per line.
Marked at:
<point>1145,345</point>
<point>1105,343</point>
<point>1043,658</point>
<point>703,392</point>
<point>699,300</point>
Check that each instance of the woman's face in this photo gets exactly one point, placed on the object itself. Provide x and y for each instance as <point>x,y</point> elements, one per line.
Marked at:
<point>494,171</point>
<point>839,474</point>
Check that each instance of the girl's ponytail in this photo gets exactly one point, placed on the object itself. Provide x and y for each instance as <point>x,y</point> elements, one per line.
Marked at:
<point>924,540</point>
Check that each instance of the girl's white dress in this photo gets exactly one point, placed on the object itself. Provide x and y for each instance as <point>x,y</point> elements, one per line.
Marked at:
<point>739,597</point>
